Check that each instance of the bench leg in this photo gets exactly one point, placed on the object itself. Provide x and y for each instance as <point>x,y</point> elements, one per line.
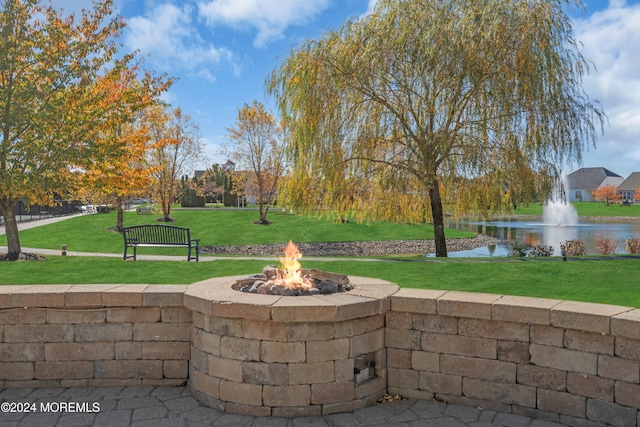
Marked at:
<point>126,257</point>
<point>196,247</point>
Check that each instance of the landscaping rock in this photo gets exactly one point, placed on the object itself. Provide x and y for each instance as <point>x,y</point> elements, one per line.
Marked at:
<point>367,248</point>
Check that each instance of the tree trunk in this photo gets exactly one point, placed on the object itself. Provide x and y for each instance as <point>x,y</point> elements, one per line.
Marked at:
<point>120,225</point>
<point>263,213</point>
<point>438,219</point>
<point>166,215</point>
<point>11,229</point>
<point>166,208</point>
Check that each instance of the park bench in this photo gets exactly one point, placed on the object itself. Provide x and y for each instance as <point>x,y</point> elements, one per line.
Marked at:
<point>144,210</point>
<point>159,235</point>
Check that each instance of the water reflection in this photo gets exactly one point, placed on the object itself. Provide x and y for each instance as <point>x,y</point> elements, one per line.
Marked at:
<point>536,233</point>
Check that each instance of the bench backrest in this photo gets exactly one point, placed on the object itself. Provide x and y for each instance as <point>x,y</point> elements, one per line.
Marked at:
<point>157,234</point>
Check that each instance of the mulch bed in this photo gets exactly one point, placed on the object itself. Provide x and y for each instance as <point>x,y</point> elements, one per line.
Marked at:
<point>24,257</point>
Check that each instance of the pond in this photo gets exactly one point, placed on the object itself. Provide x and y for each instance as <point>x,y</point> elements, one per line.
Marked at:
<point>535,232</point>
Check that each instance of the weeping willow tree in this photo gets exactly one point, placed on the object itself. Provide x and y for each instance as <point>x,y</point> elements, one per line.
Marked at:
<point>430,103</point>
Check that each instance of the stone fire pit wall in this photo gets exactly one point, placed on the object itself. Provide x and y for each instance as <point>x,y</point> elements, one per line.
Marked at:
<point>563,361</point>
<point>287,356</point>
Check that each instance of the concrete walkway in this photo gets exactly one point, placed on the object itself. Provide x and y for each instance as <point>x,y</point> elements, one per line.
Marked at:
<point>39,222</point>
<point>149,406</point>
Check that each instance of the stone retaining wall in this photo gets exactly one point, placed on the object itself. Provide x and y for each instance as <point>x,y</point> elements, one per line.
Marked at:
<point>569,362</point>
<point>93,335</point>
<point>562,361</point>
<point>364,248</point>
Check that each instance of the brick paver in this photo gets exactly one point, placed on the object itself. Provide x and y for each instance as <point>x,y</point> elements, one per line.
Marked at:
<point>142,406</point>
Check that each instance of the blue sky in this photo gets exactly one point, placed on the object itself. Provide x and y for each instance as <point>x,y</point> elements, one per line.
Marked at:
<point>222,50</point>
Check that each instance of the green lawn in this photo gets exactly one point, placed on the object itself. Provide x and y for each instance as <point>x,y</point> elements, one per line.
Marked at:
<point>605,281</point>
<point>91,233</point>
<point>612,281</point>
<point>586,209</point>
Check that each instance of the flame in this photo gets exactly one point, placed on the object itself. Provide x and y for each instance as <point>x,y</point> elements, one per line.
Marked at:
<point>289,273</point>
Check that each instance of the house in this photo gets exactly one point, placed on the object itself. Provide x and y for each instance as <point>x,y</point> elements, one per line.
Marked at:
<point>629,186</point>
<point>583,181</point>
<point>229,166</point>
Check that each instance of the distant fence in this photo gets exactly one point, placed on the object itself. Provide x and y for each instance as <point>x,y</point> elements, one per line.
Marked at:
<point>26,212</point>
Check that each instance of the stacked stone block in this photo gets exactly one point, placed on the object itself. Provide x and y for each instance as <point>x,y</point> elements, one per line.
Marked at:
<point>286,357</point>
<point>569,362</point>
<point>294,369</point>
<point>95,335</point>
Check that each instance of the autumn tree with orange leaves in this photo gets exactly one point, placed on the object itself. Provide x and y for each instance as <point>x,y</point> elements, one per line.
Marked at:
<point>57,75</point>
<point>123,175</point>
<point>607,193</point>
<point>121,170</point>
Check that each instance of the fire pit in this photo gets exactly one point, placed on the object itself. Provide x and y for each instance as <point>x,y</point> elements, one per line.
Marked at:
<point>293,280</point>
<point>273,355</point>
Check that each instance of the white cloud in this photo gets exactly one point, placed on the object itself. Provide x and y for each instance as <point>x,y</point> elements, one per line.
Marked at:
<point>168,33</point>
<point>611,39</point>
<point>169,98</point>
<point>370,7</point>
<point>269,17</point>
<point>213,152</point>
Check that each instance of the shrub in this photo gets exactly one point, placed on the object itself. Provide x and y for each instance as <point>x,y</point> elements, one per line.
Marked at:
<point>632,246</point>
<point>607,246</point>
<point>517,249</point>
<point>191,199</point>
<point>574,247</point>
<point>541,250</point>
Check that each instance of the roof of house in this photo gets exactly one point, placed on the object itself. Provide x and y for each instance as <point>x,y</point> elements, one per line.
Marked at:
<point>589,178</point>
<point>631,183</point>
